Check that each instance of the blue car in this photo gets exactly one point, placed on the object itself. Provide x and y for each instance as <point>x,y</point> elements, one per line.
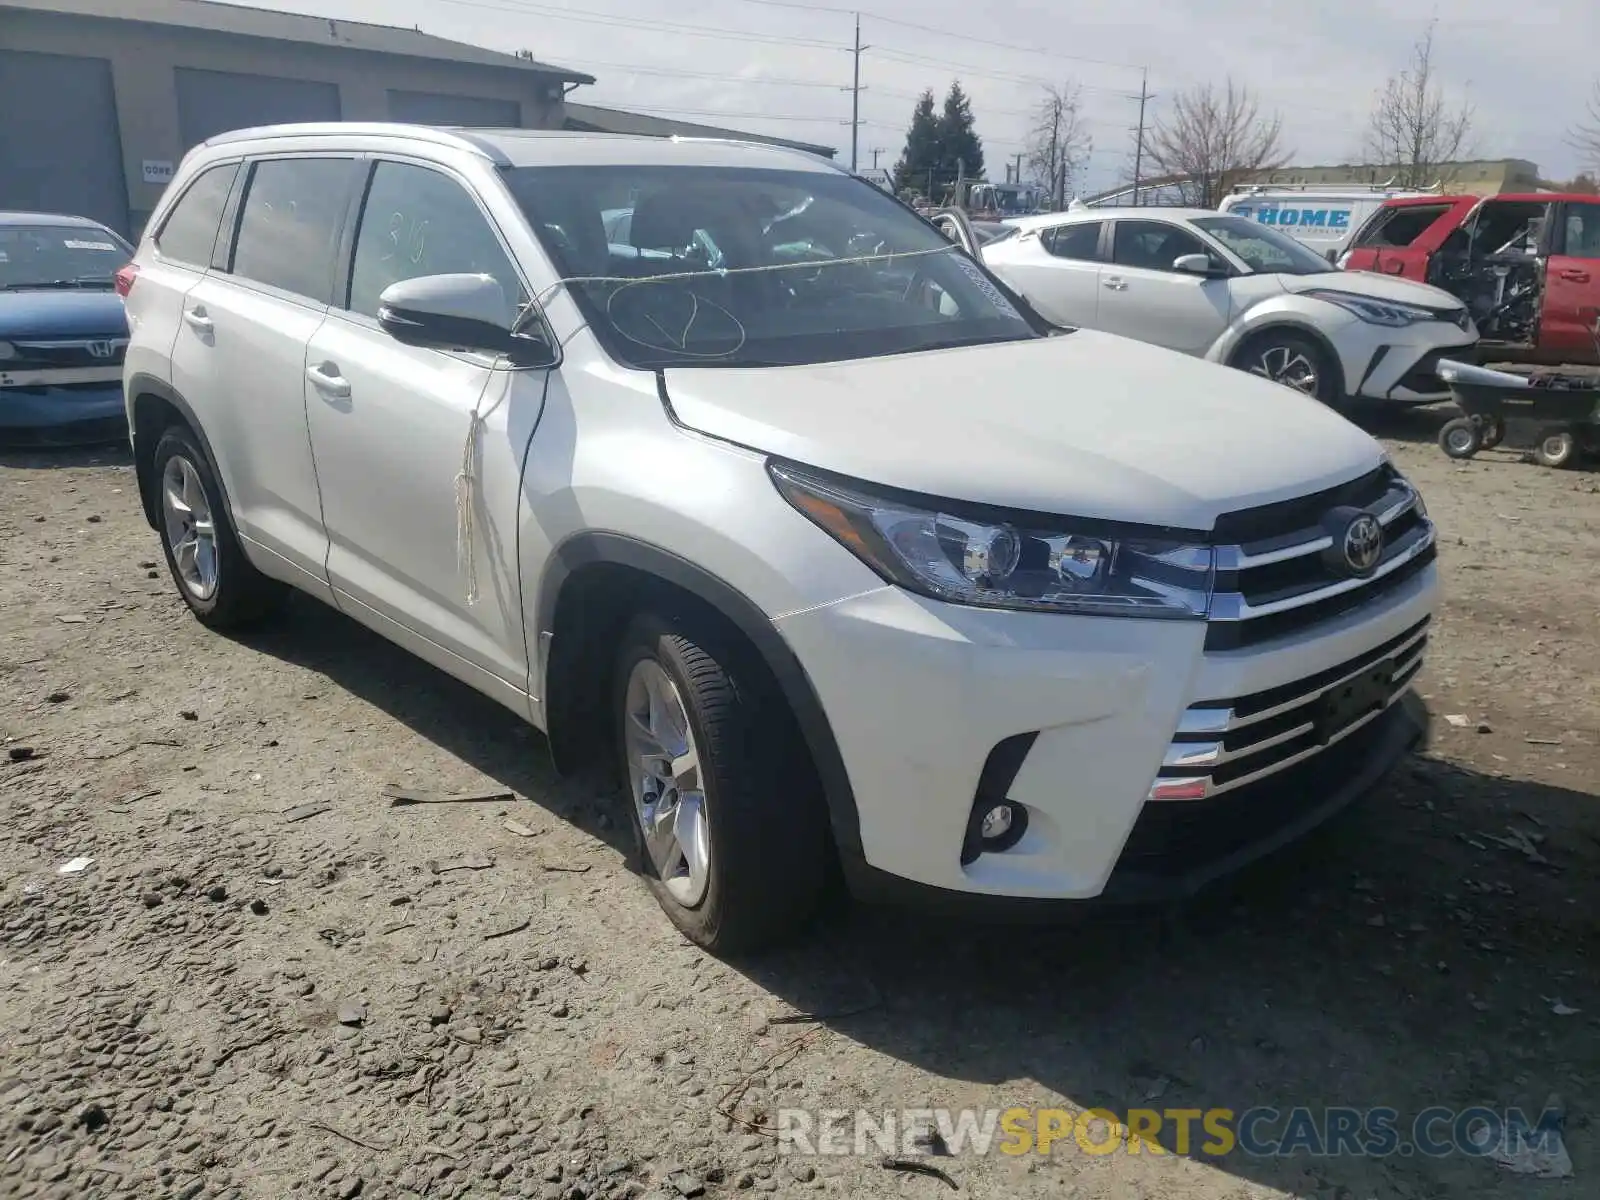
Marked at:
<point>63,331</point>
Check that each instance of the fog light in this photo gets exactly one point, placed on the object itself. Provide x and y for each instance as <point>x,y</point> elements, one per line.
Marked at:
<point>996,823</point>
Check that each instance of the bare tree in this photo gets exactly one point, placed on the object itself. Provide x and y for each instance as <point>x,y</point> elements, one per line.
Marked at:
<point>1585,136</point>
<point>1214,138</point>
<point>1412,129</point>
<point>1058,144</point>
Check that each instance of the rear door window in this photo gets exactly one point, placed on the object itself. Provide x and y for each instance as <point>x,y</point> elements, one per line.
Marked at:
<point>1079,241</point>
<point>189,233</point>
<point>1397,227</point>
<point>289,229</point>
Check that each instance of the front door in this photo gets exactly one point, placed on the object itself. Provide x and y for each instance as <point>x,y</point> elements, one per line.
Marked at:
<point>1142,295</point>
<point>392,430</point>
<point>1569,330</point>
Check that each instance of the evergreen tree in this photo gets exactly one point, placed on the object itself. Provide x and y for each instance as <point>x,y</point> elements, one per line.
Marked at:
<point>960,150</point>
<point>921,154</point>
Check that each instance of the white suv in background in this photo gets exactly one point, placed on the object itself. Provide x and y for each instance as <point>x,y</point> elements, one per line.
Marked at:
<point>836,550</point>
<point>1234,291</point>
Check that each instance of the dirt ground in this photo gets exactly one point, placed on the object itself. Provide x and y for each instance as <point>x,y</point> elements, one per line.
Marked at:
<point>271,981</point>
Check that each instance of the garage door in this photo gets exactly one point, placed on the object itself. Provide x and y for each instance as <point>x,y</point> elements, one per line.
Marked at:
<point>66,156</point>
<point>431,108</point>
<point>213,102</point>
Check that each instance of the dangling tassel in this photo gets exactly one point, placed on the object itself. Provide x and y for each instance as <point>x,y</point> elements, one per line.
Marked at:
<point>467,492</point>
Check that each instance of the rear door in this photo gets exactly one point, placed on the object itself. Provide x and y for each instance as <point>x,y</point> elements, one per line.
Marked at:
<point>240,357</point>
<point>1399,237</point>
<point>1058,270</point>
<point>1569,327</point>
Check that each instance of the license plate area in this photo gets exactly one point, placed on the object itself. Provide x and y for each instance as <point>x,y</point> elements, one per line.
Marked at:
<point>1342,706</point>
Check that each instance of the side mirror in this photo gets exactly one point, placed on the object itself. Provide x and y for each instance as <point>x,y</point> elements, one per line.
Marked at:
<point>1333,255</point>
<point>457,312</point>
<point>1194,264</point>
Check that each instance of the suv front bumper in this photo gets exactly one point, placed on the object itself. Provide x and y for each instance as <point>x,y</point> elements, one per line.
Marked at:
<point>919,693</point>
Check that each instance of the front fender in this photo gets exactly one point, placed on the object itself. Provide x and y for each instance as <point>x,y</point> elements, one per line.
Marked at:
<point>1315,319</point>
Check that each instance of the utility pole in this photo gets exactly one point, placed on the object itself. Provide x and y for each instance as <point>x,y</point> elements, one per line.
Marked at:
<point>1019,167</point>
<point>876,150</point>
<point>1138,143</point>
<point>855,98</point>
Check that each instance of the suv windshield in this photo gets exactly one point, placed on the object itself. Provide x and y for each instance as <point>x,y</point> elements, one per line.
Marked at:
<point>59,256</point>
<point>763,267</point>
<point>1265,251</point>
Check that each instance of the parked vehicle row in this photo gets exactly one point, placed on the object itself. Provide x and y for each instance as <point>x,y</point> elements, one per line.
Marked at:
<point>847,558</point>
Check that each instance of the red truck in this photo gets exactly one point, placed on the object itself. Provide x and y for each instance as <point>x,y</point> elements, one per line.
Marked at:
<point>1527,267</point>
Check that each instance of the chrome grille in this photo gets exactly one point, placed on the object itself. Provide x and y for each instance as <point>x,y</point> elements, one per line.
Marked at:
<point>1225,744</point>
<point>1277,575</point>
<point>65,353</point>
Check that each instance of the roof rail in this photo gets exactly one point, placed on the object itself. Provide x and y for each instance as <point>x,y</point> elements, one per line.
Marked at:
<point>457,139</point>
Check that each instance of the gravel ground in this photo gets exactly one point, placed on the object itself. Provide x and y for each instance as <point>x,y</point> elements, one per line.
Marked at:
<point>272,980</point>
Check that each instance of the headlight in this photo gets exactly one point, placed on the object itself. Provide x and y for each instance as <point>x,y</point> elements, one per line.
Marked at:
<point>964,554</point>
<point>1377,312</point>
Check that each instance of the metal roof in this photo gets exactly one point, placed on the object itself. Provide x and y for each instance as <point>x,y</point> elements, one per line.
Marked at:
<point>587,118</point>
<point>245,21</point>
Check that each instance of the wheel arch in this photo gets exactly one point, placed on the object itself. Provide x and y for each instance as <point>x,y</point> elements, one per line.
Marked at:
<point>153,406</point>
<point>593,584</point>
<point>1233,344</point>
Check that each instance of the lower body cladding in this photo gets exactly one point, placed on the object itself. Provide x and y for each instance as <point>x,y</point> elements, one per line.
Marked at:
<point>1404,367</point>
<point>1114,759</point>
<point>74,414</point>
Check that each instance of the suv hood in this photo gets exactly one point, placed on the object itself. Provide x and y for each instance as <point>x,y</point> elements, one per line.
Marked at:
<point>1084,424</point>
<point>1374,287</point>
<point>62,314</point>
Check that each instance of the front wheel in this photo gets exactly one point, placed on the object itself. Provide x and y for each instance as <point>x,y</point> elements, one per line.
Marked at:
<point>730,830</point>
<point>215,579</point>
<point>1294,360</point>
<point>1461,437</point>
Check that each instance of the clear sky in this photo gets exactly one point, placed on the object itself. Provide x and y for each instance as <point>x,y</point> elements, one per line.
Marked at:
<point>783,68</point>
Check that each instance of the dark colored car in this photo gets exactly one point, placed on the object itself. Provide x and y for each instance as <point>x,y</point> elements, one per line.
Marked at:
<point>63,331</point>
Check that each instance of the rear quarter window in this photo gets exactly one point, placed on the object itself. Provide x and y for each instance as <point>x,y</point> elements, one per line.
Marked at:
<point>189,233</point>
<point>1395,228</point>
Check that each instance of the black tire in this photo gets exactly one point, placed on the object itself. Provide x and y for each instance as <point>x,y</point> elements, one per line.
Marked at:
<point>770,850</point>
<point>1494,432</point>
<point>1556,448</point>
<point>243,595</point>
<point>1259,354</point>
<point>1460,437</point>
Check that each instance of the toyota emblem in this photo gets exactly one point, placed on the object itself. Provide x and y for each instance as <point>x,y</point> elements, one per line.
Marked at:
<point>1363,543</point>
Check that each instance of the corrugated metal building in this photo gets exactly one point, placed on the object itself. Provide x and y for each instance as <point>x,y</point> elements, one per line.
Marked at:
<point>102,97</point>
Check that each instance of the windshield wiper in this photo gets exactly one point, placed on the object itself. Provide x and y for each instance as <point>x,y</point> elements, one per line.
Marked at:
<point>42,285</point>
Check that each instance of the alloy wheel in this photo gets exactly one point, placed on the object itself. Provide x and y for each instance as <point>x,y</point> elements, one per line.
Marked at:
<point>191,530</point>
<point>664,777</point>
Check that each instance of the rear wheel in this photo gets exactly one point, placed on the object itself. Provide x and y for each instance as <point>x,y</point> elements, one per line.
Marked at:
<point>1556,449</point>
<point>216,581</point>
<point>1461,437</point>
<point>1294,360</point>
<point>730,831</point>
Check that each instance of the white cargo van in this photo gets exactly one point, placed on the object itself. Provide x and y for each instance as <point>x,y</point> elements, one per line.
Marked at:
<point>1323,218</point>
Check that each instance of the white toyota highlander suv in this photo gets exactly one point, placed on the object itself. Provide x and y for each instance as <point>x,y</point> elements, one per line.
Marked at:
<point>849,561</point>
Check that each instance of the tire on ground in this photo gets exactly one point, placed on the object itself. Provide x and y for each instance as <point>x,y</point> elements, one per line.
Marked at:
<point>243,594</point>
<point>771,851</point>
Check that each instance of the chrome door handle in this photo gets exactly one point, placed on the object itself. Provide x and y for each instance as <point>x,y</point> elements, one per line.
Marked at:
<point>335,385</point>
<point>1116,285</point>
<point>1573,275</point>
<point>198,321</point>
